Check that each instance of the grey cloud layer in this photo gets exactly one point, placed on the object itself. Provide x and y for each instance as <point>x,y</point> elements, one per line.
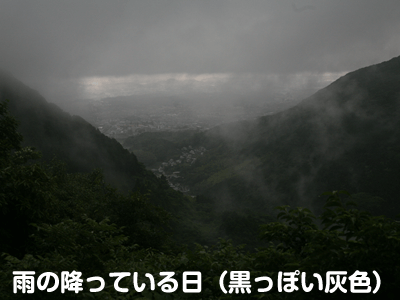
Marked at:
<point>103,38</point>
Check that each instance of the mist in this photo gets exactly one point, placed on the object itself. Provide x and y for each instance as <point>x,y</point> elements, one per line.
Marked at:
<point>60,47</point>
<point>176,137</point>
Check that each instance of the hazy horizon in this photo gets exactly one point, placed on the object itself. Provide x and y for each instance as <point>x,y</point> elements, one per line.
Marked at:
<point>73,50</point>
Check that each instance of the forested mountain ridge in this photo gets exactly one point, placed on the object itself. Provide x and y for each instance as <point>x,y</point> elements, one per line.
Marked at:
<point>72,140</point>
<point>68,138</point>
<point>345,136</point>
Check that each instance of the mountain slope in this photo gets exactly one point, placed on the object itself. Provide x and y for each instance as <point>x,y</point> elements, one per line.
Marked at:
<point>345,136</point>
<point>71,139</point>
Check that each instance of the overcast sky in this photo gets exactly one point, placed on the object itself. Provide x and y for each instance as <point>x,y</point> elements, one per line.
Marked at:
<point>208,41</point>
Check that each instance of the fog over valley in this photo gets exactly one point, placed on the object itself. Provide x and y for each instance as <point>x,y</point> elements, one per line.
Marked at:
<point>245,137</point>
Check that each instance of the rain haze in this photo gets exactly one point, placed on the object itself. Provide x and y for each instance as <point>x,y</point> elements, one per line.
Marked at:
<point>174,141</point>
<point>96,49</point>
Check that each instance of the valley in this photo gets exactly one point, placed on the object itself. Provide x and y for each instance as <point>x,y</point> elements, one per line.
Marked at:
<point>212,150</point>
<point>121,117</point>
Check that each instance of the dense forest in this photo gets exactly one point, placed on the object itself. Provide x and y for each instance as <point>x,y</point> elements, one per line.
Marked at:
<point>84,203</point>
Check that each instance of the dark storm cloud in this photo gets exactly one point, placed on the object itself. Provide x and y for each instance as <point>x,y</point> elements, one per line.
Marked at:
<point>67,39</point>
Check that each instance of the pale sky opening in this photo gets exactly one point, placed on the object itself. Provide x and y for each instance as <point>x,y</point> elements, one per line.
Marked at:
<point>98,87</point>
<point>112,86</point>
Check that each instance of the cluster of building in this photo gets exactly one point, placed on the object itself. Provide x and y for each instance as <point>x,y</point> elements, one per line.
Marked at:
<point>189,155</point>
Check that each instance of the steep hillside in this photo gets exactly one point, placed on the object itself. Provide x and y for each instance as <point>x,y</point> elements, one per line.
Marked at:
<point>345,136</point>
<point>71,139</point>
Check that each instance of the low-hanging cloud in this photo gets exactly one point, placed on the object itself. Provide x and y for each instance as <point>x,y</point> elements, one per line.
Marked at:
<point>47,40</point>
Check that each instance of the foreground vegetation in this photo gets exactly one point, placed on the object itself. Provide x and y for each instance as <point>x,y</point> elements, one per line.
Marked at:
<point>54,221</point>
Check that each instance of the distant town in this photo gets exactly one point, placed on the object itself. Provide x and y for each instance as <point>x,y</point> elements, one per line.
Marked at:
<point>122,117</point>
